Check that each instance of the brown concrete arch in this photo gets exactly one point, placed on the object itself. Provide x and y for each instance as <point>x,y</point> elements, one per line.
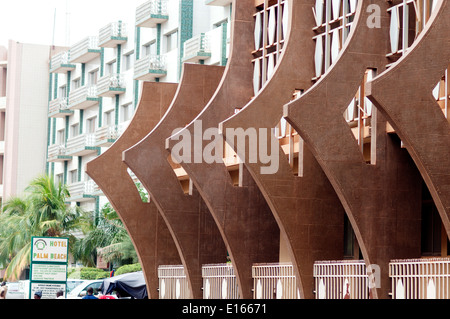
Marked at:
<point>403,95</point>
<point>241,213</point>
<point>306,208</point>
<point>381,199</point>
<point>190,223</point>
<point>147,229</point>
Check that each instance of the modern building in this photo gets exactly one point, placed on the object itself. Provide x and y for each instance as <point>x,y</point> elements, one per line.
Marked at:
<point>23,114</point>
<point>95,85</point>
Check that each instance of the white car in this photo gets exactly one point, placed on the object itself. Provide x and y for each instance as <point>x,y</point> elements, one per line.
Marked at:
<point>80,291</point>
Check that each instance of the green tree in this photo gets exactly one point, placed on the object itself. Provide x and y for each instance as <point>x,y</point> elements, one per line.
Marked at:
<point>42,211</point>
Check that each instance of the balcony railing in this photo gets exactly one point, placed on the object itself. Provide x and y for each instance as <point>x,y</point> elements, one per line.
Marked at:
<point>81,145</point>
<point>197,48</point>
<point>59,108</point>
<point>85,50</point>
<point>274,281</point>
<point>113,34</point>
<point>219,282</point>
<point>151,13</point>
<point>82,191</point>
<point>57,153</point>
<point>420,278</point>
<point>83,97</point>
<point>150,67</point>
<point>344,279</point>
<point>172,282</point>
<point>111,85</point>
<point>60,63</point>
<point>107,135</point>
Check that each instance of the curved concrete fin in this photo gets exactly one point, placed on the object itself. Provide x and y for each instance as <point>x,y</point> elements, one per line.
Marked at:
<point>403,94</point>
<point>143,222</point>
<point>383,207</point>
<point>305,207</point>
<point>241,213</point>
<point>190,223</point>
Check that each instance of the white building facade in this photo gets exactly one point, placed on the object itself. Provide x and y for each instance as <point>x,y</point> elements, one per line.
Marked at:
<point>94,86</point>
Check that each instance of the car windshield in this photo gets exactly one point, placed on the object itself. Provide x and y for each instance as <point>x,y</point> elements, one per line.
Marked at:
<point>71,284</point>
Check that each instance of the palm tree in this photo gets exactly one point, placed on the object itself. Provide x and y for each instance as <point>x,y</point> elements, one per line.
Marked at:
<point>42,211</point>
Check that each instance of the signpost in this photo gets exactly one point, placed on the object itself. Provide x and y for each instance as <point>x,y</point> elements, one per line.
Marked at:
<point>48,269</point>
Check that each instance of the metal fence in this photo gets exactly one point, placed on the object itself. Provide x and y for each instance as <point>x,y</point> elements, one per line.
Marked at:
<point>274,281</point>
<point>172,282</point>
<point>219,282</point>
<point>341,279</point>
<point>420,278</point>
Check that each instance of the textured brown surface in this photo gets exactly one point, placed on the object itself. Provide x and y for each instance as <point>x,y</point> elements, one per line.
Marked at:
<point>306,208</point>
<point>241,213</point>
<point>382,200</point>
<point>189,220</point>
<point>403,95</point>
<point>148,231</point>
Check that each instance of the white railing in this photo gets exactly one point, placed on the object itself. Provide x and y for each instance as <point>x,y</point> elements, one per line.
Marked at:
<point>150,63</point>
<point>343,279</point>
<point>56,150</point>
<point>81,141</point>
<point>172,282</point>
<point>110,132</point>
<point>82,47</point>
<point>199,43</point>
<point>111,81</point>
<point>219,282</point>
<point>420,278</point>
<point>113,29</point>
<point>274,281</point>
<point>83,187</point>
<point>152,7</point>
<point>57,105</point>
<point>82,93</point>
<point>59,59</point>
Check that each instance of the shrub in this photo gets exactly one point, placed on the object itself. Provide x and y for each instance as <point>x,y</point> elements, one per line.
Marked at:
<point>128,268</point>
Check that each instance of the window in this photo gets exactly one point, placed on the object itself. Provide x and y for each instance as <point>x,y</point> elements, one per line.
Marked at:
<point>59,179</point>
<point>108,119</point>
<point>111,67</point>
<point>73,176</point>
<point>149,48</point>
<point>62,92</point>
<point>76,83</point>
<point>92,77</point>
<point>91,124</point>
<point>128,60</point>
<point>75,130</point>
<point>60,137</point>
<point>126,112</point>
<point>171,41</point>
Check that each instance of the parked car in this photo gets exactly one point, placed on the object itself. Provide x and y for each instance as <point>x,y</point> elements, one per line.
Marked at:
<point>72,283</point>
<point>80,291</point>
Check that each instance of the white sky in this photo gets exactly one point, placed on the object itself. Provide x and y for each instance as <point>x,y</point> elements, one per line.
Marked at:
<point>31,21</point>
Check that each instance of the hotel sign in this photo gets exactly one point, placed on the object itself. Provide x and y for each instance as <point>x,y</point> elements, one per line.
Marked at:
<point>48,269</point>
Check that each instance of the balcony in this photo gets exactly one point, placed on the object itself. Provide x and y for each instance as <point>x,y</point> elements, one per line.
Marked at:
<point>107,135</point>
<point>112,34</point>
<point>151,13</point>
<point>111,85</point>
<point>60,63</point>
<point>219,282</point>
<point>82,145</point>
<point>172,282</point>
<point>82,191</point>
<point>221,3</point>
<point>85,50</point>
<point>274,281</point>
<point>83,98</point>
<point>150,67</point>
<point>57,153</point>
<point>197,49</point>
<point>59,108</point>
